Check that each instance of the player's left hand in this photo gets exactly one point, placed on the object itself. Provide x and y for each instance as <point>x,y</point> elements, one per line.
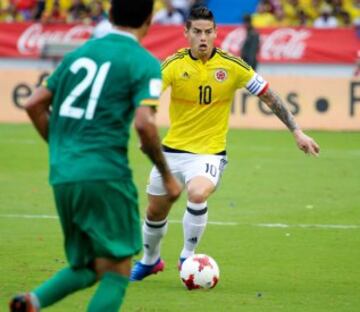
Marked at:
<point>306,143</point>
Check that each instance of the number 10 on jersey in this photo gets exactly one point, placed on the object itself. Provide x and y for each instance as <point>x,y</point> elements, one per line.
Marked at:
<point>204,95</point>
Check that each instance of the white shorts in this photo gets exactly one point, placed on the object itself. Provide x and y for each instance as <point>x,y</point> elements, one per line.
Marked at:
<point>186,166</point>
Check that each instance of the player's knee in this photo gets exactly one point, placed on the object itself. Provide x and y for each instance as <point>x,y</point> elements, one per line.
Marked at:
<point>199,189</point>
<point>121,266</point>
<point>198,195</point>
<point>92,267</point>
<point>153,213</point>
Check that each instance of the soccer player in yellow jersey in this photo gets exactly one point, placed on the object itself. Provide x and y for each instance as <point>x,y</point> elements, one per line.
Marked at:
<point>203,82</point>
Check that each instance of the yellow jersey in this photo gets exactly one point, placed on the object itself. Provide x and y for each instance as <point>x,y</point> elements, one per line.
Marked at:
<point>201,98</point>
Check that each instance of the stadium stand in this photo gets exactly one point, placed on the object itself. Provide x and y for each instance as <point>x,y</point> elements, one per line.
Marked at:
<point>57,10</point>
<point>266,13</point>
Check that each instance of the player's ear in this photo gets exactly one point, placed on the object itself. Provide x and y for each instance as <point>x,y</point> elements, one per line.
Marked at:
<point>149,19</point>
<point>186,32</point>
<point>187,27</point>
<point>145,26</point>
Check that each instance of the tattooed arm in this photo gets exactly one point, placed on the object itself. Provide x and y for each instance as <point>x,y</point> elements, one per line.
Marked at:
<point>304,142</point>
<point>276,104</point>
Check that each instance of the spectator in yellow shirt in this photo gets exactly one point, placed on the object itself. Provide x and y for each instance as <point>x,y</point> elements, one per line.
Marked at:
<point>353,8</point>
<point>264,16</point>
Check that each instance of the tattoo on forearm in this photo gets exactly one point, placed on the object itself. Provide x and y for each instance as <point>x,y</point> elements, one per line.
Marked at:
<point>277,106</point>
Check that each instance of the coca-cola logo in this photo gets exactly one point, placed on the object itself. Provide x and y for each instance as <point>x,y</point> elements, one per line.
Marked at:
<point>280,44</point>
<point>233,42</point>
<point>286,43</point>
<point>33,38</point>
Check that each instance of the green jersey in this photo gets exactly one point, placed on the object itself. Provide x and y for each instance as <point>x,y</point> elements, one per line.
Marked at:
<point>96,90</point>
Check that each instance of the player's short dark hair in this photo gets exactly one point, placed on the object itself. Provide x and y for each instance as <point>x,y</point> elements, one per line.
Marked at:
<point>199,13</point>
<point>130,13</point>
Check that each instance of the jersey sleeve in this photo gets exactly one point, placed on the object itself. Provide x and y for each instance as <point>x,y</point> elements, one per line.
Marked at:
<point>251,80</point>
<point>148,84</point>
<point>166,75</point>
<point>168,67</point>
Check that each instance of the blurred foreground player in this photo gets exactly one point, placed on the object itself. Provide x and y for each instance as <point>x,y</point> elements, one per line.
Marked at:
<point>203,81</point>
<point>84,112</point>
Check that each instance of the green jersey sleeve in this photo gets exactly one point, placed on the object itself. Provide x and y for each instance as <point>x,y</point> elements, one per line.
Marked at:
<point>147,84</point>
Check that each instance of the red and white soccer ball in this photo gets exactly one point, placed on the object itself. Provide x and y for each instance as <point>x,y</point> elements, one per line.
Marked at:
<point>199,271</point>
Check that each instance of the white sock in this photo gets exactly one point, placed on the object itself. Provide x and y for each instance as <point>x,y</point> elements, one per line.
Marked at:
<point>194,223</point>
<point>153,232</point>
<point>35,301</point>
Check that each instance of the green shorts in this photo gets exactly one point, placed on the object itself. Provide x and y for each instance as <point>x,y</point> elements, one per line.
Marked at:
<point>100,219</point>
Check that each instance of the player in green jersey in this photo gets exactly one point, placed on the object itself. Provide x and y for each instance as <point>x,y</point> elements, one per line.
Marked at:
<point>84,112</point>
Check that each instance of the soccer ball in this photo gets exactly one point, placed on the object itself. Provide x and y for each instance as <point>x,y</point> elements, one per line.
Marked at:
<point>199,271</point>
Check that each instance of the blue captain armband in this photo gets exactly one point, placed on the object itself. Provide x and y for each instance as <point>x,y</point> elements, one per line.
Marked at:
<point>257,85</point>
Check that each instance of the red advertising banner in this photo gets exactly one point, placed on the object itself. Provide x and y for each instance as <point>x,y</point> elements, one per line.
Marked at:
<point>26,39</point>
<point>278,45</point>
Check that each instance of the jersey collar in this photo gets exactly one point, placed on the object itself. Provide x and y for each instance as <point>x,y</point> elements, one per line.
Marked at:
<point>211,56</point>
<point>122,33</point>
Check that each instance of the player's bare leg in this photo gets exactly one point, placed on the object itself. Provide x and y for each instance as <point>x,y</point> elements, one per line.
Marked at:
<point>199,189</point>
<point>195,217</point>
<point>158,208</point>
<point>103,265</point>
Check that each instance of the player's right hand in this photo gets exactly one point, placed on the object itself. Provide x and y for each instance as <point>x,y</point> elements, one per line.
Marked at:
<point>173,187</point>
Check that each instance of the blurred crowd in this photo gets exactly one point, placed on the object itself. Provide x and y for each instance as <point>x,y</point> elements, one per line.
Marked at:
<point>53,10</point>
<point>87,11</point>
<point>269,13</point>
<point>316,13</point>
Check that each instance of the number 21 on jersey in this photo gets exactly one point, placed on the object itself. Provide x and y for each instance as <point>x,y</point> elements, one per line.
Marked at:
<point>95,78</point>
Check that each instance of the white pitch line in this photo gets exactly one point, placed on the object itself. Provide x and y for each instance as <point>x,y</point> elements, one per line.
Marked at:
<point>324,226</point>
<point>16,216</point>
<point>265,225</point>
<point>35,216</point>
<point>210,222</point>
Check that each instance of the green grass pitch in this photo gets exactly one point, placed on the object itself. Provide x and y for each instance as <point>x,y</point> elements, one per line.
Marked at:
<point>308,261</point>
